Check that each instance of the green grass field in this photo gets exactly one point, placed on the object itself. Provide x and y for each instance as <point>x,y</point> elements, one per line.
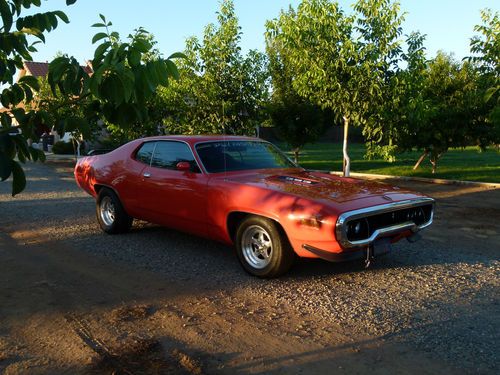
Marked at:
<point>457,164</point>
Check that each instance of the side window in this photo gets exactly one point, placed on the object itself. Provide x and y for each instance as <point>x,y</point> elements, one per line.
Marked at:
<point>168,154</point>
<point>145,153</point>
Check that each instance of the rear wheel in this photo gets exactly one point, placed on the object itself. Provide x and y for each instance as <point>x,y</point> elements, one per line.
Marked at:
<point>262,249</point>
<point>110,213</point>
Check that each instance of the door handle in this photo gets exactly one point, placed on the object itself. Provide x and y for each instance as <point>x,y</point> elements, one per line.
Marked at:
<point>147,174</point>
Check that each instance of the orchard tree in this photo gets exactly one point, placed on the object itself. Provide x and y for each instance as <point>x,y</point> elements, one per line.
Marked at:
<point>116,92</point>
<point>221,91</point>
<point>406,108</point>
<point>297,120</point>
<point>485,49</point>
<point>341,61</point>
<point>402,102</point>
<point>445,112</point>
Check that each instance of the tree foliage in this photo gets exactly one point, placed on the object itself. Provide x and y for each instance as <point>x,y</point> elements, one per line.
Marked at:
<point>297,120</point>
<point>220,91</point>
<point>443,103</point>
<point>117,91</point>
<point>445,112</point>
<point>342,61</point>
<point>15,47</point>
<point>485,49</point>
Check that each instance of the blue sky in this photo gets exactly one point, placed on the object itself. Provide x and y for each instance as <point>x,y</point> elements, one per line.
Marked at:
<point>447,23</point>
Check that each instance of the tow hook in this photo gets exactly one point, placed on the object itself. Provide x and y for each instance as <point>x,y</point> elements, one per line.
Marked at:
<point>369,256</point>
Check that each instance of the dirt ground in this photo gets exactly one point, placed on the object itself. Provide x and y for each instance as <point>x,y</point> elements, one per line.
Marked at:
<point>67,309</point>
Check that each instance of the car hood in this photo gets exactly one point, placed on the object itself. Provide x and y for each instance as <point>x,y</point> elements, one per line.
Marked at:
<point>320,186</point>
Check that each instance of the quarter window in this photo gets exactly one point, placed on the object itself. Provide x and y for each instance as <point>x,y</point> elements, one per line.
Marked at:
<point>168,154</point>
<point>145,153</point>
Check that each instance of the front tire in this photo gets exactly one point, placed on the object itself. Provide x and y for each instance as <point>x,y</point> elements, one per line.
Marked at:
<point>111,215</point>
<point>263,250</point>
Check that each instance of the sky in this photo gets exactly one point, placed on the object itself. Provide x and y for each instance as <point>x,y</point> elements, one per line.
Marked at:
<point>448,24</point>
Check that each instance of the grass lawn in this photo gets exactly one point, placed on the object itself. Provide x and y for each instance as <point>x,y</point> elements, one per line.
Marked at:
<point>457,164</point>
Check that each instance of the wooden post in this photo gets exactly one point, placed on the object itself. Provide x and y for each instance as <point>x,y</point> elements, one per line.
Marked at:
<point>347,161</point>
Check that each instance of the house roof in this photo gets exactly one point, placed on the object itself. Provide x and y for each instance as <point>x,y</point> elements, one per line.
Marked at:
<point>41,69</point>
<point>36,69</point>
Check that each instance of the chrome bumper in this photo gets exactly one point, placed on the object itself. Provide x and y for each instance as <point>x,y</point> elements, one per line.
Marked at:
<point>343,219</point>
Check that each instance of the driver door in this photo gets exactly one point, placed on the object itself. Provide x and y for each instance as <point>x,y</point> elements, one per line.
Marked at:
<point>172,197</point>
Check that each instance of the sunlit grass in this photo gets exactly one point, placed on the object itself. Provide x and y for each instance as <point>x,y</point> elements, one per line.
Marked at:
<point>459,164</point>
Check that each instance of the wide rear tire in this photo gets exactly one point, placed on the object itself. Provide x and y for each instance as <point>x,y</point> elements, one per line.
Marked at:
<point>263,248</point>
<point>111,215</point>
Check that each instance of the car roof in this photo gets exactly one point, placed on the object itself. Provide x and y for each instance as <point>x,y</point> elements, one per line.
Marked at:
<point>192,139</point>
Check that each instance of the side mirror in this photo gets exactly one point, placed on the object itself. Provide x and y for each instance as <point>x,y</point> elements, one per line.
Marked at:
<point>183,166</point>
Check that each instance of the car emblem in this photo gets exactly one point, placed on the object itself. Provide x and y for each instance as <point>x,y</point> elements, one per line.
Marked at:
<point>387,198</point>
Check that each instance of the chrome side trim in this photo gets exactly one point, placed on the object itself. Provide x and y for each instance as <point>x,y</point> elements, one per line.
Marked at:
<point>341,228</point>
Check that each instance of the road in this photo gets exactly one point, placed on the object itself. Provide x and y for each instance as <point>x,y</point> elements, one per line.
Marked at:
<point>75,300</point>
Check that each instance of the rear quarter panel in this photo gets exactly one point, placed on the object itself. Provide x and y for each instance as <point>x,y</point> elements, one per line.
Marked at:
<point>116,170</point>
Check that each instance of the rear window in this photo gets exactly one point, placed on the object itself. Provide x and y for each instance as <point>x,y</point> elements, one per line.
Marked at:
<point>168,154</point>
<point>145,153</point>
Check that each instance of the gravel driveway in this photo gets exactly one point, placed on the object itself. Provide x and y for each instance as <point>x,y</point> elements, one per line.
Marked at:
<point>438,297</point>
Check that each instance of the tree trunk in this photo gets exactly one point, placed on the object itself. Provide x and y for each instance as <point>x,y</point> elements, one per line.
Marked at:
<point>346,165</point>
<point>420,160</point>
<point>296,153</point>
<point>434,160</point>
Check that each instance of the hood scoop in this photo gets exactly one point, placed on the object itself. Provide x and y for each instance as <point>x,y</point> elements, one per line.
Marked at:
<point>293,180</point>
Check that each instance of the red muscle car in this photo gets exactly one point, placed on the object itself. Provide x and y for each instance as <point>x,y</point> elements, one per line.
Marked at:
<point>245,192</point>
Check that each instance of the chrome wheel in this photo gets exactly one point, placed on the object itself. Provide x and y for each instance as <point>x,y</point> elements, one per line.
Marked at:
<point>107,211</point>
<point>257,246</point>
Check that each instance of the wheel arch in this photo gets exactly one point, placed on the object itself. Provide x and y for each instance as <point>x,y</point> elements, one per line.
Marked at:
<point>234,218</point>
<point>98,188</point>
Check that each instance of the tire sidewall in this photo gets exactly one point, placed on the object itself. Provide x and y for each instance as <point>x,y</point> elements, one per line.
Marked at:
<point>122,221</point>
<point>281,253</point>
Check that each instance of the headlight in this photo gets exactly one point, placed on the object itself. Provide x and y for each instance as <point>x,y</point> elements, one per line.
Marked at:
<point>358,229</point>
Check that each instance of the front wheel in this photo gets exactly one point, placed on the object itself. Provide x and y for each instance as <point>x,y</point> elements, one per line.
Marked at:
<point>262,249</point>
<point>111,215</point>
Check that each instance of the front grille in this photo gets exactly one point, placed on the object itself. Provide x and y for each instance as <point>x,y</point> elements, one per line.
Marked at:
<point>362,227</point>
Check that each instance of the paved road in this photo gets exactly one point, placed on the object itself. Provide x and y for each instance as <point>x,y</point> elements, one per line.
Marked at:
<point>431,306</point>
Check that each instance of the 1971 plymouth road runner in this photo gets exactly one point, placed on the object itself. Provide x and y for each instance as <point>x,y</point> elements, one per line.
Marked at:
<point>245,192</point>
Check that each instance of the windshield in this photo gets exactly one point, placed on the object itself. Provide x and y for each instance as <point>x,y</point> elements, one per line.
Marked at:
<point>220,156</point>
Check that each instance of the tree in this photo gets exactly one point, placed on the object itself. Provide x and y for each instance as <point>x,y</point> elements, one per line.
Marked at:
<point>485,49</point>
<point>14,48</point>
<point>220,91</point>
<point>405,107</point>
<point>116,92</point>
<point>297,120</point>
<point>156,106</point>
<point>445,112</point>
<point>342,61</point>
<point>444,103</point>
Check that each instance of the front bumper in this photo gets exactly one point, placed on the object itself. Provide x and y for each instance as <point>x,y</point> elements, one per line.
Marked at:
<point>392,230</point>
<point>378,248</point>
<point>345,256</point>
